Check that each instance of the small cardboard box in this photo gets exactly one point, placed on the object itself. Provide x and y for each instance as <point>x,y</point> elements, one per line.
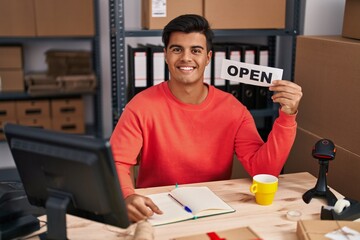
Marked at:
<point>327,69</point>
<point>10,57</point>
<point>245,14</point>
<point>244,233</point>
<point>316,229</point>
<point>38,122</point>
<point>67,107</point>
<point>351,24</point>
<point>41,83</point>
<point>7,110</point>
<point>17,18</point>
<point>156,14</point>
<point>69,124</point>
<point>33,109</point>
<point>11,81</point>
<point>68,62</point>
<point>65,17</point>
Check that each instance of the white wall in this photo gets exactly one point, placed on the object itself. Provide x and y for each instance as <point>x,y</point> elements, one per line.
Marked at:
<point>323,17</point>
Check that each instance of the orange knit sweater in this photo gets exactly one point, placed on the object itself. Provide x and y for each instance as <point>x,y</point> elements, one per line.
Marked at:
<point>185,143</point>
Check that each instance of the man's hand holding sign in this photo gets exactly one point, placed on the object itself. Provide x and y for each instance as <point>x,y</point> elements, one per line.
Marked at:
<point>286,93</point>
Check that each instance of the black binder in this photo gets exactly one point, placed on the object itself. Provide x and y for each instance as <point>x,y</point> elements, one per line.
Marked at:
<point>136,66</point>
<point>219,52</point>
<point>156,73</point>
<point>261,93</point>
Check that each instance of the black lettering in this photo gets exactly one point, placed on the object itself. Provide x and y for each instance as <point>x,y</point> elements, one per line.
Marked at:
<point>254,75</point>
<point>265,77</point>
<point>232,70</point>
<point>243,71</point>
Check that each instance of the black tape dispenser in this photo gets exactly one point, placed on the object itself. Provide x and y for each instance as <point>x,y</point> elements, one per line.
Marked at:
<point>344,209</point>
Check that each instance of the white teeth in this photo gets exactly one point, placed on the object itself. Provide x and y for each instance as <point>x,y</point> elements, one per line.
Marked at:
<point>186,68</point>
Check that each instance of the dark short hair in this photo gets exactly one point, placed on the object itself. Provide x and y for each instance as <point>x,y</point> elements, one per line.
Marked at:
<point>188,23</point>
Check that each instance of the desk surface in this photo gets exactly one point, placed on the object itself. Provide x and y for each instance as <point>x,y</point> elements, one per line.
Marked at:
<point>269,222</point>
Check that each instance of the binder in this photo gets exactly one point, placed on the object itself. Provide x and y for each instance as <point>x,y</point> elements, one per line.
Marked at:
<point>261,93</point>
<point>248,91</point>
<point>137,70</point>
<point>237,52</point>
<point>157,68</point>
<point>219,53</point>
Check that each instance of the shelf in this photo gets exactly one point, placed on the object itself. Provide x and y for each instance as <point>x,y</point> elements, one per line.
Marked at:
<point>118,35</point>
<point>219,33</point>
<point>5,40</point>
<point>25,95</point>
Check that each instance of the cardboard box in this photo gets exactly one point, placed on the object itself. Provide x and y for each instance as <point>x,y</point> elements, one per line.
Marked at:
<point>327,69</point>
<point>244,233</point>
<point>41,83</point>
<point>2,123</point>
<point>11,81</point>
<point>33,109</point>
<point>17,18</point>
<point>343,170</point>
<point>351,24</point>
<point>66,62</point>
<point>156,14</point>
<point>245,14</point>
<point>65,17</point>
<point>77,83</point>
<point>38,122</point>
<point>67,107</point>
<point>316,229</point>
<point>69,124</point>
<point>7,110</point>
<point>10,57</point>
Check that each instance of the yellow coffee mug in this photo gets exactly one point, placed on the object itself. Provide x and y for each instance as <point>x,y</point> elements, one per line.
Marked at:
<point>264,187</point>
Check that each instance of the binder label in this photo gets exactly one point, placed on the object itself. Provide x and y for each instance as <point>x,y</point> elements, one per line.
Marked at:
<point>249,73</point>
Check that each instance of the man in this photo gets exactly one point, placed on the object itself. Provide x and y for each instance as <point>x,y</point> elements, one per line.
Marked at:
<point>186,131</point>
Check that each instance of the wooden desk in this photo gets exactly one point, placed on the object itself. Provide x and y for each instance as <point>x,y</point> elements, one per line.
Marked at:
<point>269,222</point>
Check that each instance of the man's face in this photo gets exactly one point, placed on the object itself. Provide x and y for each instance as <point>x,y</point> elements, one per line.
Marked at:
<point>187,57</point>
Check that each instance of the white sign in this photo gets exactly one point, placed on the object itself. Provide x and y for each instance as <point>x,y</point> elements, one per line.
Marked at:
<point>249,73</point>
<point>158,8</point>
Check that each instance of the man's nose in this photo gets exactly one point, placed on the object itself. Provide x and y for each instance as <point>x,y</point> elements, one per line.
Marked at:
<point>186,56</point>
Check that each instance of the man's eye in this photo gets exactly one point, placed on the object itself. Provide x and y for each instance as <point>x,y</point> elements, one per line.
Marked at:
<point>196,51</point>
<point>176,50</point>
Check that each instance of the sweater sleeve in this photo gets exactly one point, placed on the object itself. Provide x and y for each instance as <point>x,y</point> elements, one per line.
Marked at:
<point>258,157</point>
<point>126,142</point>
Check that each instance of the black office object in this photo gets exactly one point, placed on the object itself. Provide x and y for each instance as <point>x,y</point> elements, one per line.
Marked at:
<point>324,150</point>
<point>17,216</point>
<point>67,174</point>
<point>350,213</point>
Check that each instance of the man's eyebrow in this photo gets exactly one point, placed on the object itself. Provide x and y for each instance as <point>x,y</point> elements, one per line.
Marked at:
<point>174,45</point>
<point>196,46</point>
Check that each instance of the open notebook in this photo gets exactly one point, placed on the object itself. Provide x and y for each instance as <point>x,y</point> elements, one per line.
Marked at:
<point>185,203</point>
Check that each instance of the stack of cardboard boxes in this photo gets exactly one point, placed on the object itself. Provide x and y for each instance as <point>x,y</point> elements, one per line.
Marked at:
<point>224,14</point>
<point>29,18</point>
<point>42,18</point>
<point>61,114</point>
<point>327,68</point>
<point>11,69</point>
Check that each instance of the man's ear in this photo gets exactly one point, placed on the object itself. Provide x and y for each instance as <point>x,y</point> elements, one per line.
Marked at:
<point>209,55</point>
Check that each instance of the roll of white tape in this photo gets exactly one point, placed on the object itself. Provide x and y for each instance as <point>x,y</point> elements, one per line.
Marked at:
<point>293,215</point>
<point>340,205</point>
